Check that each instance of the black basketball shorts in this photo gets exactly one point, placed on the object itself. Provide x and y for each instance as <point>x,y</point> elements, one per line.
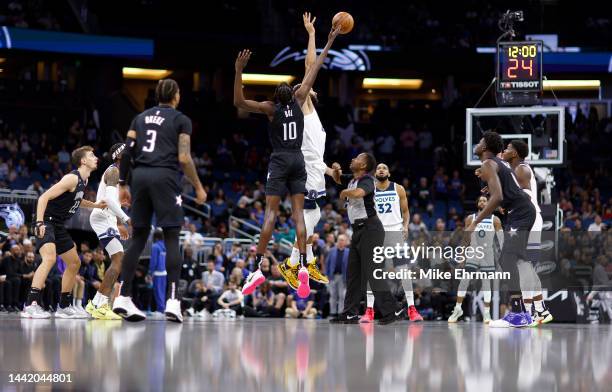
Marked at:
<point>156,190</point>
<point>516,233</point>
<point>286,172</point>
<point>56,233</point>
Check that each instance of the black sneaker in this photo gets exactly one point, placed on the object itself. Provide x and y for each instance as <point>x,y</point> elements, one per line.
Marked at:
<point>345,318</point>
<point>393,317</point>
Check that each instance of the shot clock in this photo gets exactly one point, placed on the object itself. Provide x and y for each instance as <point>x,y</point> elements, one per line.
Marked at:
<point>519,66</point>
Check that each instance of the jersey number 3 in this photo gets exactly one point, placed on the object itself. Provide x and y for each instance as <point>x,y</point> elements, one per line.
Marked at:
<point>151,136</point>
<point>292,134</point>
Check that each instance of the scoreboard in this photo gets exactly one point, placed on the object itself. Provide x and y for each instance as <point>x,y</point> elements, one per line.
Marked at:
<point>519,66</point>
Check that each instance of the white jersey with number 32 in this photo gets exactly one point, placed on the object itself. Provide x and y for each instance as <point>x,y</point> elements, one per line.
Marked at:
<point>388,208</point>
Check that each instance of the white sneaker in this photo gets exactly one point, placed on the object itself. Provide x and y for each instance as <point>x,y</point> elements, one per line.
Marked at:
<point>79,311</point>
<point>173,311</point>
<point>125,308</point>
<point>191,312</point>
<point>202,315</point>
<point>35,311</point>
<point>457,312</point>
<point>66,313</point>
<point>252,281</point>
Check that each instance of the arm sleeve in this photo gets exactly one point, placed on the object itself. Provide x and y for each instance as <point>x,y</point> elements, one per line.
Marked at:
<point>183,124</point>
<point>112,200</point>
<point>367,184</point>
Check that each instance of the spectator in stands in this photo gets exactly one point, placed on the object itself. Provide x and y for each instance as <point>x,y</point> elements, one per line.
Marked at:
<point>239,272</point>
<point>63,156</point>
<point>277,283</point>
<point>231,298</point>
<point>157,271</point>
<point>190,269</point>
<point>193,239</point>
<point>11,265</point>
<point>597,225</point>
<point>423,194</point>
<point>300,307</point>
<point>37,187</point>
<point>213,280</point>
<point>27,273</point>
<point>222,263</point>
<point>241,211</point>
<point>600,274</point>
<point>336,269</point>
<point>440,185</point>
<point>250,259</point>
<point>268,303</point>
<point>87,274</point>
<point>417,226</point>
<point>219,207</point>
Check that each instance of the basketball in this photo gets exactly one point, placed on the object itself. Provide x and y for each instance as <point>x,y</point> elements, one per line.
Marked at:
<point>345,20</point>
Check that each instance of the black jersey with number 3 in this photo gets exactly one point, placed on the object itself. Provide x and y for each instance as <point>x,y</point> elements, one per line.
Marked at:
<point>286,130</point>
<point>65,205</point>
<point>157,133</point>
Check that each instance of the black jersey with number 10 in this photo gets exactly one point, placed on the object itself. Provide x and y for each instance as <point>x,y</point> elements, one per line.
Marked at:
<point>286,130</point>
<point>157,133</point>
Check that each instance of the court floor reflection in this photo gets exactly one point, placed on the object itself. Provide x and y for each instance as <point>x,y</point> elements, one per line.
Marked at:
<point>307,355</point>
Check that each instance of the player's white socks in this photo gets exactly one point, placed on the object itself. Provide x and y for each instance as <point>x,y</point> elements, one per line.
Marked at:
<point>462,289</point>
<point>309,254</point>
<point>99,299</point>
<point>369,299</point>
<point>409,297</point>
<point>539,305</point>
<point>294,259</point>
<point>528,306</point>
<point>486,290</point>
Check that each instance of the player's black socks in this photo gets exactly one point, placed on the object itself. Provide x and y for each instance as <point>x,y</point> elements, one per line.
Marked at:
<point>517,305</point>
<point>303,259</point>
<point>33,295</point>
<point>258,259</point>
<point>65,300</point>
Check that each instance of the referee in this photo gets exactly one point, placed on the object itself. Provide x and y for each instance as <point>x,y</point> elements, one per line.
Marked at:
<point>368,233</point>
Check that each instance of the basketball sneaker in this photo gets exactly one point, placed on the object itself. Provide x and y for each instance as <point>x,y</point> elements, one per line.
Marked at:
<point>457,312</point>
<point>104,312</point>
<point>303,290</point>
<point>79,311</point>
<point>392,317</point>
<point>315,273</point>
<point>173,310</point>
<point>34,311</point>
<point>413,314</point>
<point>512,320</point>
<point>368,316</point>
<point>66,313</point>
<point>289,273</point>
<point>124,307</point>
<point>252,281</point>
<point>543,317</point>
<point>345,318</point>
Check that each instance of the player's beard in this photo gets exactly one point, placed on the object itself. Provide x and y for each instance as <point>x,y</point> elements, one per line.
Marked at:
<point>382,179</point>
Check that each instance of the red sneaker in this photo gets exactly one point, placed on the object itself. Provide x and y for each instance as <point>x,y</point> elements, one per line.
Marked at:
<point>414,314</point>
<point>368,316</point>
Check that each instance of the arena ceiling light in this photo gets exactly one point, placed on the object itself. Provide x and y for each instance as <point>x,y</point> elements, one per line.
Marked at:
<point>145,73</point>
<point>571,84</point>
<point>392,84</point>
<point>265,79</point>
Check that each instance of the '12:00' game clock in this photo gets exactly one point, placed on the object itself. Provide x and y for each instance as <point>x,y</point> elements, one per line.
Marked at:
<point>519,73</point>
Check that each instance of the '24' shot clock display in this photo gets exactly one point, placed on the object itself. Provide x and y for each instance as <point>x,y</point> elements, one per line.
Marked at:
<point>519,66</point>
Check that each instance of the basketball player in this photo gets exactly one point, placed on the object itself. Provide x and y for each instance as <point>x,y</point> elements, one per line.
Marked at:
<point>392,209</point>
<point>287,166</point>
<point>313,149</point>
<point>515,154</point>
<point>482,237</point>
<point>158,140</point>
<point>54,208</point>
<point>109,225</point>
<point>504,190</point>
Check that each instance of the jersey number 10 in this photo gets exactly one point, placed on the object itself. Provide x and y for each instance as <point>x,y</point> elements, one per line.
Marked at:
<point>292,131</point>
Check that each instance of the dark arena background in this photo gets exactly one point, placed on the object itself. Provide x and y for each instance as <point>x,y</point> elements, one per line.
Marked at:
<point>415,84</point>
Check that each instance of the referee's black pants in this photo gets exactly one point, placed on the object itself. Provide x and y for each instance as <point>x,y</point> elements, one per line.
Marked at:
<point>367,234</point>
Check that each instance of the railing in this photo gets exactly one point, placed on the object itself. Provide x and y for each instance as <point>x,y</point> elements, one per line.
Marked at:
<point>284,244</point>
<point>205,213</point>
<point>18,196</point>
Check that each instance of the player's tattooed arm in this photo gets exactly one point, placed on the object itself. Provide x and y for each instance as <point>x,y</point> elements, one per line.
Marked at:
<point>266,107</point>
<point>111,177</point>
<point>189,168</point>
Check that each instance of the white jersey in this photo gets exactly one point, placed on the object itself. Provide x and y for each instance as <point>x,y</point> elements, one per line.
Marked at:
<point>533,189</point>
<point>104,221</point>
<point>483,236</point>
<point>388,208</point>
<point>313,149</point>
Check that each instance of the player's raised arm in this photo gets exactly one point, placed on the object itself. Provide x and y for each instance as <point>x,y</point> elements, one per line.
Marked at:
<point>266,107</point>
<point>302,93</point>
<point>189,168</point>
<point>311,52</point>
<point>489,175</point>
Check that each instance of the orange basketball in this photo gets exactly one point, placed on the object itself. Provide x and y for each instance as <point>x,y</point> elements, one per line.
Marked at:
<point>344,20</point>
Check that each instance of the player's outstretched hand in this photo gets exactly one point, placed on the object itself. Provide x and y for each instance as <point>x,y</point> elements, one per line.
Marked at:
<point>200,196</point>
<point>309,23</point>
<point>333,34</point>
<point>124,233</point>
<point>242,59</point>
